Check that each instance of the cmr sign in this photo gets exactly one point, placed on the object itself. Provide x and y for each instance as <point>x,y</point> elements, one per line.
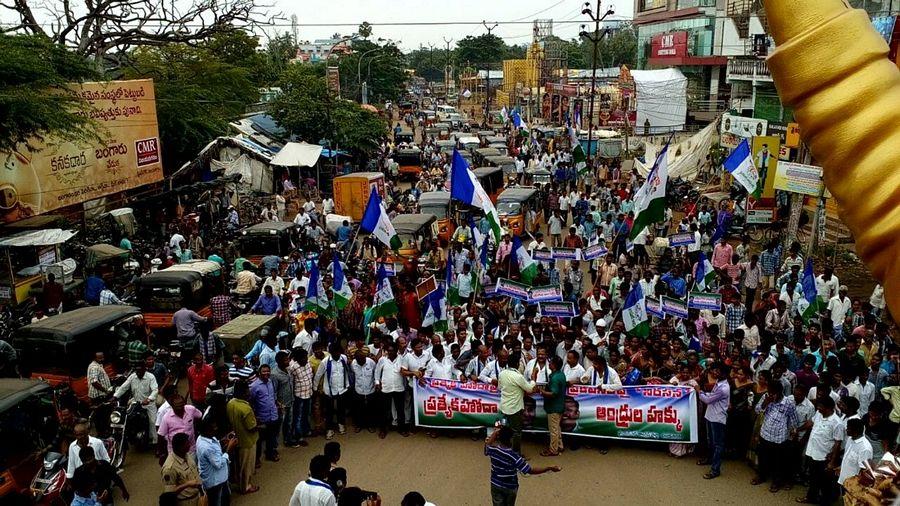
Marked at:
<point>669,45</point>
<point>147,151</point>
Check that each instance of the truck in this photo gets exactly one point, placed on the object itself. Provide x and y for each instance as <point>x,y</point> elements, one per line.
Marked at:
<point>351,192</point>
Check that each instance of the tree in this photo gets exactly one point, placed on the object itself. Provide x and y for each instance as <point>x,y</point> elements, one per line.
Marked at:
<point>614,50</point>
<point>364,30</point>
<point>303,108</point>
<point>307,109</point>
<point>280,50</point>
<point>35,101</point>
<point>487,48</point>
<point>99,27</point>
<point>383,67</point>
<point>197,94</point>
<point>428,63</point>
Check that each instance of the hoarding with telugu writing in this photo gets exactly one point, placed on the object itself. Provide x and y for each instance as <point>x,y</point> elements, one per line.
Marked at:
<point>645,413</point>
<point>62,173</point>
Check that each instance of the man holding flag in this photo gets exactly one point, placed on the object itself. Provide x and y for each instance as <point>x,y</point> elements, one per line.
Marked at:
<point>650,199</point>
<point>464,187</point>
<point>377,222</point>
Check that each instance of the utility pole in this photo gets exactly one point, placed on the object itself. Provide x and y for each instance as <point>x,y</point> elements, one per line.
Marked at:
<point>595,39</point>
<point>447,66</point>
<point>487,89</point>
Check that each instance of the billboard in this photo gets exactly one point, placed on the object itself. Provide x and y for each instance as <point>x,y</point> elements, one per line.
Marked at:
<point>799,178</point>
<point>669,45</point>
<point>735,128</point>
<point>764,151</point>
<point>59,174</point>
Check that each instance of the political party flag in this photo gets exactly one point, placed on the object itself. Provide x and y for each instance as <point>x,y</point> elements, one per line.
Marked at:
<point>650,199</point>
<point>528,268</point>
<point>477,236</point>
<point>376,222</point>
<point>503,114</point>
<point>721,230</point>
<point>436,311</point>
<point>634,313</point>
<point>810,293</point>
<point>518,122</point>
<point>740,165</point>
<point>579,159</point>
<point>705,275</point>
<point>340,288</point>
<point>384,303</point>
<point>316,298</point>
<point>464,187</point>
<point>452,289</point>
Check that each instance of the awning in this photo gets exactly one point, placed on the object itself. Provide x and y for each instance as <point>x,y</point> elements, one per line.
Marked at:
<point>101,252</point>
<point>47,237</point>
<point>298,154</point>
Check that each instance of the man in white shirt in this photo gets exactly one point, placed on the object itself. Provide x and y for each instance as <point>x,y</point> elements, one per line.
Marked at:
<point>390,382</point>
<point>826,431</point>
<point>478,364</point>
<point>440,366</point>
<point>572,368</point>
<point>336,372</point>
<point>414,363</point>
<point>83,439</point>
<point>364,409</point>
<point>142,387</point>
<point>537,370</point>
<point>465,282</point>
<point>315,491</point>
<point>599,374</point>
<point>857,450</point>
<point>827,284</point>
<point>302,218</point>
<point>306,337</point>
<point>839,307</point>
<point>491,373</point>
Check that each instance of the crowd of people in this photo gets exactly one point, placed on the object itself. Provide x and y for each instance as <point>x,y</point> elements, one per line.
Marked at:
<point>805,397</point>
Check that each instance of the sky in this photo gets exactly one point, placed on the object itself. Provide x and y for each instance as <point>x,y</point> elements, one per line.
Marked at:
<point>353,12</point>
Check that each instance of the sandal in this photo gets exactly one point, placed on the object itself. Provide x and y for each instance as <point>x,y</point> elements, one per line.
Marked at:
<point>254,488</point>
<point>710,476</point>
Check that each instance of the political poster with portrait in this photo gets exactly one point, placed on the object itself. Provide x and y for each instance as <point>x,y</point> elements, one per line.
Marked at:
<point>661,413</point>
<point>764,153</point>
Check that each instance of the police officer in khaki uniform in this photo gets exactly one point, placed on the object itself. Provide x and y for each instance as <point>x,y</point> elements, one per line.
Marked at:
<point>180,474</point>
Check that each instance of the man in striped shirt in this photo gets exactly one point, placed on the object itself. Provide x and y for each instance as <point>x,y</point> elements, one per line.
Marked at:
<point>505,466</point>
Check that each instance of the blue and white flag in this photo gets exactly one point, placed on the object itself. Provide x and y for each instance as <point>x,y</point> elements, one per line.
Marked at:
<point>740,165</point>
<point>464,187</point>
<point>634,313</point>
<point>340,288</point>
<point>377,222</point>
<point>316,298</point>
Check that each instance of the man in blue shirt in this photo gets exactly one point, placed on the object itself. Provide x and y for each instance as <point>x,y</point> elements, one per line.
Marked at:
<point>344,232</point>
<point>267,303</point>
<point>505,466</point>
<point>212,460</point>
<point>675,282</point>
<point>262,399</point>
<point>92,288</point>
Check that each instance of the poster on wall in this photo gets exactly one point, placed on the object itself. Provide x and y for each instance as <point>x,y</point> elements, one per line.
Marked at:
<point>63,173</point>
<point>764,151</point>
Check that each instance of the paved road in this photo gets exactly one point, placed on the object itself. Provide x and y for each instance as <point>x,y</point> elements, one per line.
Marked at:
<point>454,472</point>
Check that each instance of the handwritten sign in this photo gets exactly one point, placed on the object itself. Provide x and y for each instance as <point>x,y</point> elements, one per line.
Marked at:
<point>700,300</point>
<point>685,239</point>
<point>557,309</point>
<point>425,288</point>
<point>592,252</point>
<point>674,307</point>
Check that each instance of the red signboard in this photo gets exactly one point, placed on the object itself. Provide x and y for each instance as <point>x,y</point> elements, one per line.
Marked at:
<point>669,45</point>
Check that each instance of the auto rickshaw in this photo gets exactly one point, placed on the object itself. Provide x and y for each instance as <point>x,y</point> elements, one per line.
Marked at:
<point>405,135</point>
<point>507,163</point>
<point>433,131</point>
<point>491,179</point>
<point>268,238</point>
<point>513,206</point>
<point>160,294</point>
<point>28,424</point>
<point>108,260</point>
<point>410,162</point>
<point>444,130</point>
<point>481,155</point>
<point>59,349</point>
<point>445,146</point>
<point>412,230</point>
<point>469,143</point>
<point>538,177</point>
<point>438,204</point>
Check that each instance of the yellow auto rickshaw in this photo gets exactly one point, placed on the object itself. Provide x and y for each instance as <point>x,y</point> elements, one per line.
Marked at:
<point>513,205</point>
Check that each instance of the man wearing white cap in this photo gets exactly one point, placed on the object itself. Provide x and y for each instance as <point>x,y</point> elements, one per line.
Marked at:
<point>839,307</point>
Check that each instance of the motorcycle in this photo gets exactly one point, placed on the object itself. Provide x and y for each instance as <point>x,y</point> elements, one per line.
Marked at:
<point>48,485</point>
<point>113,432</point>
<point>137,425</point>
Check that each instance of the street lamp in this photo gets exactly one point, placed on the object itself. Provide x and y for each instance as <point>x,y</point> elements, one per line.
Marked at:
<point>359,68</point>
<point>595,38</point>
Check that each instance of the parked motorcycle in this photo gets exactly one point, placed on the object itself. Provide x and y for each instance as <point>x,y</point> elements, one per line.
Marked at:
<point>48,485</point>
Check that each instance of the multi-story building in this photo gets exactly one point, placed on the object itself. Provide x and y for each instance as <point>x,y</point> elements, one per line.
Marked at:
<point>321,49</point>
<point>699,37</point>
